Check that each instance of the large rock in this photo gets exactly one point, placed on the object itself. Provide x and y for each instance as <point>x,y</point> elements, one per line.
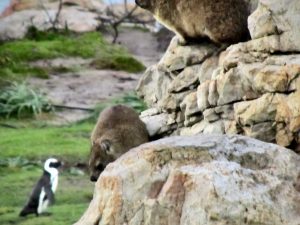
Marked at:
<point>278,19</point>
<point>19,5</point>
<point>203,180</point>
<point>251,88</point>
<point>22,14</point>
<point>16,25</point>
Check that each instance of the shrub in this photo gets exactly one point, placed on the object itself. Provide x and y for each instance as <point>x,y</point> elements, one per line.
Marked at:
<point>21,101</point>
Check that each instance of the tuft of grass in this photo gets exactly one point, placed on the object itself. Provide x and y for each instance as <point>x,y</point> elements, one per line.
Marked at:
<point>118,62</point>
<point>21,101</point>
<point>15,56</point>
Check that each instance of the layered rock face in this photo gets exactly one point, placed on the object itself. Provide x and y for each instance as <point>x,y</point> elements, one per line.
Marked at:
<point>203,180</point>
<point>251,88</point>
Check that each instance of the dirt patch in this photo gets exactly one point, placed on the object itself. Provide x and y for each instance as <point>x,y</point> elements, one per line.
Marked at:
<point>88,87</point>
<point>141,44</point>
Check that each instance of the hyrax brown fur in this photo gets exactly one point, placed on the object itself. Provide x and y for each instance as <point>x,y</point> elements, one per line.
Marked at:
<point>222,21</point>
<point>118,129</point>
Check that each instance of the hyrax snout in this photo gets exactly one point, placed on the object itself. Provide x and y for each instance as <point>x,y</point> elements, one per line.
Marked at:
<point>222,21</point>
<point>118,129</point>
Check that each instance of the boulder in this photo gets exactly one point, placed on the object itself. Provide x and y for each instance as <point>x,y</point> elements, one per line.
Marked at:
<point>32,13</point>
<point>203,180</point>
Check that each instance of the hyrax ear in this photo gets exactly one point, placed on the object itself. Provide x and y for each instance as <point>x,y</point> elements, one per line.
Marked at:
<point>105,145</point>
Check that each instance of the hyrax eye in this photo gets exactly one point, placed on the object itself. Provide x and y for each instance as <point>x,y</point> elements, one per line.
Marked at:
<point>105,145</point>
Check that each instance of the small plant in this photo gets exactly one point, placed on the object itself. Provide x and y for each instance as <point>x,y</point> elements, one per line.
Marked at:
<point>21,101</point>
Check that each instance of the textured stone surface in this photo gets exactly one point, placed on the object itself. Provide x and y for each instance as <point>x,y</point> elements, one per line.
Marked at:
<point>153,86</point>
<point>15,26</point>
<point>251,88</point>
<point>203,180</point>
<point>178,57</point>
<point>280,19</point>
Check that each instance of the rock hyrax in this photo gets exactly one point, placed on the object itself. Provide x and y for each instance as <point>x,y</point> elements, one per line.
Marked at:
<point>118,129</point>
<point>222,21</point>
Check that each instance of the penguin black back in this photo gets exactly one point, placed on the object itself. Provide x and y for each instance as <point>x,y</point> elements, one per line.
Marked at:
<point>43,192</point>
<point>33,203</point>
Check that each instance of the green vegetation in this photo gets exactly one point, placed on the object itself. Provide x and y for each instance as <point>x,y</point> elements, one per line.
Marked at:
<point>69,143</point>
<point>16,56</point>
<point>21,101</point>
<point>115,62</point>
<point>26,142</point>
<point>22,153</point>
<point>17,184</point>
<point>23,150</point>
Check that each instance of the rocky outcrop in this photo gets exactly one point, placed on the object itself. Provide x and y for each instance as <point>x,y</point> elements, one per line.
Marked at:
<point>15,26</point>
<point>251,88</point>
<point>19,5</point>
<point>76,15</point>
<point>203,180</point>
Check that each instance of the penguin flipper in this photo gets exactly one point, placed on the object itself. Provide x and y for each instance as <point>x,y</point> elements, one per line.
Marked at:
<point>49,194</point>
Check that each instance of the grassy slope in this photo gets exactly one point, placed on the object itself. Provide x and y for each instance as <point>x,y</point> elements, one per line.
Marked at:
<point>74,192</point>
<point>15,56</point>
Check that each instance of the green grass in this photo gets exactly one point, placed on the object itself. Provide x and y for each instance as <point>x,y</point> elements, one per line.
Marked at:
<point>15,56</point>
<point>121,62</point>
<point>72,197</point>
<point>71,142</point>
<point>22,152</point>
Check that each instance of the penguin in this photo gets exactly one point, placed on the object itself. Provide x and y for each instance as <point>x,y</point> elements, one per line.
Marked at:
<point>43,192</point>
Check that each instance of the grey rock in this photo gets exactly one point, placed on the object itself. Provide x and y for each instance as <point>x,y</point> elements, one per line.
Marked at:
<point>210,115</point>
<point>216,127</point>
<point>178,57</point>
<point>204,180</point>
<point>154,85</point>
<point>278,18</point>
<point>15,26</point>
<point>207,68</point>
<point>186,80</point>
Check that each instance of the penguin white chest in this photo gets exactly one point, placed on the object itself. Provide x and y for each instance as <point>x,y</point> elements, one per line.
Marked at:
<point>54,182</point>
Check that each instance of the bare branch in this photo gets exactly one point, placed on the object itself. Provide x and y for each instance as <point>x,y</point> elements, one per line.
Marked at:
<point>54,22</point>
<point>114,19</point>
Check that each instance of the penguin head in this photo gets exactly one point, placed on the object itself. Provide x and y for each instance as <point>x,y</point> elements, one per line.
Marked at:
<point>52,164</point>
